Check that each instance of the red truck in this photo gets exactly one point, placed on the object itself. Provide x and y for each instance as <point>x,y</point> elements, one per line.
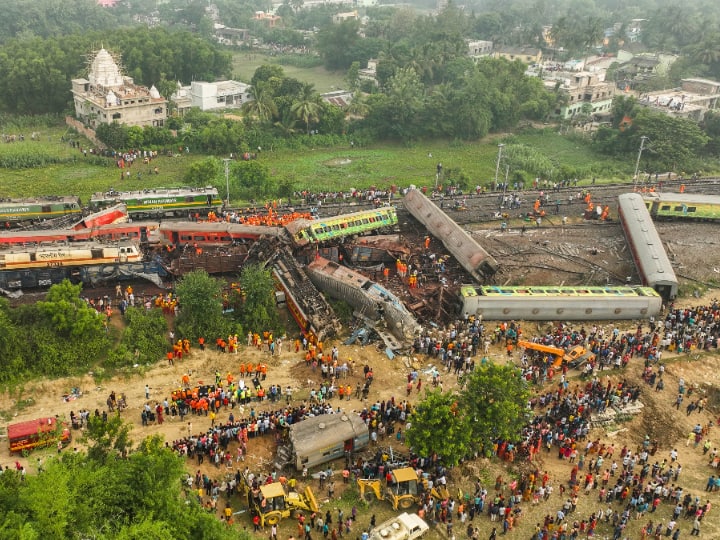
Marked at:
<point>26,436</point>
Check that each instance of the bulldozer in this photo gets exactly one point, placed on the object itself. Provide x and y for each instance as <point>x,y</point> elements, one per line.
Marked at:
<point>404,490</point>
<point>272,504</point>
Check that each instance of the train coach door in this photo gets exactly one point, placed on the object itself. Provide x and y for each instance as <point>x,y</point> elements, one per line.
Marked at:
<point>209,200</point>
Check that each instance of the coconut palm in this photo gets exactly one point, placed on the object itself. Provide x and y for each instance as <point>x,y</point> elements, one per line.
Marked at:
<point>262,106</point>
<point>308,106</point>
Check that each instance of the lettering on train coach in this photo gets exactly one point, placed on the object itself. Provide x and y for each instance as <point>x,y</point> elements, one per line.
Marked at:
<point>51,255</point>
<point>15,210</point>
<point>147,202</point>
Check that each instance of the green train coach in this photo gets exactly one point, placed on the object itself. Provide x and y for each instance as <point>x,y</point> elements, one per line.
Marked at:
<point>14,211</point>
<point>683,206</point>
<point>305,231</point>
<point>161,201</point>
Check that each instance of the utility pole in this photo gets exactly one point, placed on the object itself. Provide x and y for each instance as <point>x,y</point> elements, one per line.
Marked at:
<point>227,182</point>
<point>497,165</point>
<point>637,163</point>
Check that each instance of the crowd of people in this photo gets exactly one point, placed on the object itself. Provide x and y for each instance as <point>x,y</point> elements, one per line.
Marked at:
<point>626,484</point>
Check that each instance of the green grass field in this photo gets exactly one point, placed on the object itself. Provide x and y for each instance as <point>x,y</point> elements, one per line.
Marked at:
<point>338,168</point>
<point>245,63</point>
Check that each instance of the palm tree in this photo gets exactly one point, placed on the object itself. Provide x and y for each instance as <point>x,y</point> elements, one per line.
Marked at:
<point>358,107</point>
<point>308,106</point>
<point>286,124</point>
<point>262,105</point>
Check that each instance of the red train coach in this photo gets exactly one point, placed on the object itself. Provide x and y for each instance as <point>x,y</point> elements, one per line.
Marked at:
<point>214,233</point>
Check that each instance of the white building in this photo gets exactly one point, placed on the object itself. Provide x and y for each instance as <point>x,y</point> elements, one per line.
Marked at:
<point>208,96</point>
<point>108,96</point>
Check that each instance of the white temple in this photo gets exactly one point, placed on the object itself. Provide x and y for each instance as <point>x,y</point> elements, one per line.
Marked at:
<point>108,96</point>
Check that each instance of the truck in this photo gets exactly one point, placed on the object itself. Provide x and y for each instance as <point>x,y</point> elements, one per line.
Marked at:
<point>402,527</point>
<point>574,357</point>
<point>24,437</point>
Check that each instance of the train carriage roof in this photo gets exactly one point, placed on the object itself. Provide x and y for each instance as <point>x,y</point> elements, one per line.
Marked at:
<point>41,200</point>
<point>687,198</point>
<point>154,192</point>
<point>317,433</point>
<point>649,251</point>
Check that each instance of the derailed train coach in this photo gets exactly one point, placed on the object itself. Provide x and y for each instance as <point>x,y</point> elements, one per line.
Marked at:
<point>648,252</point>
<point>366,296</point>
<point>550,303</point>
<point>471,255</point>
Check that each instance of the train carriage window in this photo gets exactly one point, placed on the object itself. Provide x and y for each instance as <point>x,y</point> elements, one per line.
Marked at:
<point>364,221</point>
<point>318,230</point>
<point>665,207</point>
<point>597,291</point>
<point>199,238</point>
<point>326,229</point>
<point>46,208</point>
<point>336,227</point>
<point>190,199</point>
<point>552,291</point>
<point>568,291</point>
<point>343,225</point>
<point>691,209</point>
<point>371,219</point>
<point>506,291</point>
<point>185,237</point>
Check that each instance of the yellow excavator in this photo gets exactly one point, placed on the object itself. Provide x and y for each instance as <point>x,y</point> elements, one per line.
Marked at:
<point>403,491</point>
<point>272,504</point>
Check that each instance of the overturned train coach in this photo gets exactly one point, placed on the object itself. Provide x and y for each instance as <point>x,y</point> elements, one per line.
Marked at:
<point>471,256</point>
<point>367,297</point>
<point>550,303</point>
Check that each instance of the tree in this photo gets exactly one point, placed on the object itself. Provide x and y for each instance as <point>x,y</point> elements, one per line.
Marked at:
<point>256,309</point>
<point>201,313</point>
<point>145,333</point>
<point>266,72</point>
<point>107,439</point>
<point>439,427</point>
<point>261,105</point>
<point>495,403</point>
<point>338,43</point>
<point>307,108</point>
<point>203,172</point>
<point>254,179</point>
<point>353,75</point>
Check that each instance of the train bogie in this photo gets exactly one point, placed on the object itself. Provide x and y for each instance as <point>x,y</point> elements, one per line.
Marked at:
<point>560,303</point>
<point>70,255</point>
<point>18,210</point>
<point>355,224</point>
<point>471,256</point>
<point>646,246</point>
<point>158,202</point>
<point>687,206</point>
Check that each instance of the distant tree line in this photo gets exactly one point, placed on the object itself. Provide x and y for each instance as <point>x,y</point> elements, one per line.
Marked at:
<point>37,71</point>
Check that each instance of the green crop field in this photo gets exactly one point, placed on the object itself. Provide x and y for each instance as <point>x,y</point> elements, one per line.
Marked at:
<point>245,63</point>
<point>66,171</point>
